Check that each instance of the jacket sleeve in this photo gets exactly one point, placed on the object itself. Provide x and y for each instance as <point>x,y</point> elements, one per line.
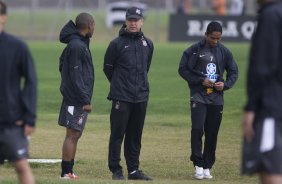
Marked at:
<point>232,71</point>
<point>29,91</point>
<point>109,60</point>
<point>151,46</point>
<point>186,69</point>
<point>75,59</point>
<point>264,58</point>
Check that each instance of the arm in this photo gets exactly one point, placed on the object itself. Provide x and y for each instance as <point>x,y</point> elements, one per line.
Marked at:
<point>29,91</point>
<point>247,125</point>
<point>151,47</point>
<point>75,60</point>
<point>263,66</point>
<point>232,71</point>
<point>187,72</point>
<point>109,60</point>
<point>264,62</point>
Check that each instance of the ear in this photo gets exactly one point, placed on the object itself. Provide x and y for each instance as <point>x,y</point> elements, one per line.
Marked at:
<point>142,22</point>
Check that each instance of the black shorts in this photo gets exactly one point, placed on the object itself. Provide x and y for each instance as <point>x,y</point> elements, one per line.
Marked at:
<point>13,144</point>
<point>72,117</point>
<point>264,152</point>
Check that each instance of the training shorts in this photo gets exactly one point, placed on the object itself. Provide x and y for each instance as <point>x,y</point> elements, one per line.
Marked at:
<point>13,144</point>
<point>264,152</point>
<point>72,117</point>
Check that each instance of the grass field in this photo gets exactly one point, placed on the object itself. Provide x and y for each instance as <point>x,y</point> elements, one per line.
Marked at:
<point>166,138</point>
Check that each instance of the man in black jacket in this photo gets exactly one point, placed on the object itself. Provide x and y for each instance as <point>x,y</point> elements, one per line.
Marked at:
<point>17,103</point>
<point>202,66</point>
<point>126,65</point>
<point>77,74</point>
<point>262,120</point>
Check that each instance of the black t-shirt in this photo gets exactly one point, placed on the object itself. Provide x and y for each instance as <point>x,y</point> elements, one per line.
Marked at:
<point>207,65</point>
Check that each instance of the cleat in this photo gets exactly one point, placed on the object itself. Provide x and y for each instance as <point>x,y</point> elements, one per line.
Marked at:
<point>69,176</point>
<point>138,175</point>
<point>118,175</point>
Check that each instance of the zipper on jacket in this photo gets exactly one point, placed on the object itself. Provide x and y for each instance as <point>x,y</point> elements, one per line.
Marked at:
<point>136,73</point>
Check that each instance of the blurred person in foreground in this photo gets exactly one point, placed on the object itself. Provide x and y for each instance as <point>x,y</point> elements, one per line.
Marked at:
<point>262,120</point>
<point>202,66</point>
<point>126,66</point>
<point>77,82</point>
<point>18,94</point>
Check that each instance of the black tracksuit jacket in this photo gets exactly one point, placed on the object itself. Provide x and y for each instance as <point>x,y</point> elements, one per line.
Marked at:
<point>126,65</point>
<point>16,103</point>
<point>195,78</point>
<point>76,67</point>
<point>264,84</point>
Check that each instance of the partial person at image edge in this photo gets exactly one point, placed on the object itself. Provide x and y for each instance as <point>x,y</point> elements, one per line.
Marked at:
<point>262,119</point>
<point>17,101</point>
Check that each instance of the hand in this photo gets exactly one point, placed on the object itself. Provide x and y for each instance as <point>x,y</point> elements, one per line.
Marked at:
<point>87,108</point>
<point>247,125</point>
<point>28,130</point>
<point>208,83</point>
<point>219,86</point>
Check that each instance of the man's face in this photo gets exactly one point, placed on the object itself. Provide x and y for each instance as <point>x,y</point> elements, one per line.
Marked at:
<point>3,19</point>
<point>91,28</point>
<point>213,39</point>
<point>134,25</point>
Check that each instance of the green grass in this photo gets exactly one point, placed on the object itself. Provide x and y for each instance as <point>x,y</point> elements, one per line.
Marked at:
<point>166,138</point>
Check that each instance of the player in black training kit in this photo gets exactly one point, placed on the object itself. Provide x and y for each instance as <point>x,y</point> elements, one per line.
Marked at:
<point>202,66</point>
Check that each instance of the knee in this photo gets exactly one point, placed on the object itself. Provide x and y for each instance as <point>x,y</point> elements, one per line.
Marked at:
<point>197,131</point>
<point>21,166</point>
<point>74,136</point>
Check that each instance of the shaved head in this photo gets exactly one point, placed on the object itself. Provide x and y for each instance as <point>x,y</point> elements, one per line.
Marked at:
<point>83,20</point>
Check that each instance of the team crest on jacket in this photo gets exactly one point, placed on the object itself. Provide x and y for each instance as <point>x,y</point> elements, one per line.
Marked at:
<point>144,43</point>
<point>211,72</point>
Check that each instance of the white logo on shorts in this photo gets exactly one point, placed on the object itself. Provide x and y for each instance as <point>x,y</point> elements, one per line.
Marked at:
<point>80,120</point>
<point>21,151</point>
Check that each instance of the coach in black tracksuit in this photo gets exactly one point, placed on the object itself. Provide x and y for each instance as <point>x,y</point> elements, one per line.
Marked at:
<point>126,65</point>
<point>202,66</point>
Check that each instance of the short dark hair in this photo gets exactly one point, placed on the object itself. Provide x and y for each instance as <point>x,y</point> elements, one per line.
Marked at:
<point>83,20</point>
<point>214,27</point>
<point>3,8</point>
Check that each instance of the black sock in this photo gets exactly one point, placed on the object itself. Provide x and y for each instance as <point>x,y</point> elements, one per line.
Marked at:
<point>72,164</point>
<point>66,167</point>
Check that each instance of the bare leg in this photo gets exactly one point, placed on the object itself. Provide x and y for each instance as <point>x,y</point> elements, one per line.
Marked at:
<point>70,144</point>
<point>24,172</point>
<point>271,178</point>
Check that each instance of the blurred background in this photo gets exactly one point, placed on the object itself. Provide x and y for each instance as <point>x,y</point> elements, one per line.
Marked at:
<point>43,19</point>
